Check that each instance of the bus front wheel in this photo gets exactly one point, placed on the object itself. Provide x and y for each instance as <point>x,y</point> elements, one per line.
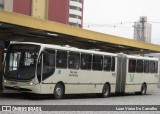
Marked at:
<point>106,91</point>
<point>58,91</point>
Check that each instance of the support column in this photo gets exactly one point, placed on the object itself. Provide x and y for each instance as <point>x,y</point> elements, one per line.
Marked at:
<point>40,9</point>
<point>8,5</point>
<point>159,82</point>
<point>1,67</point>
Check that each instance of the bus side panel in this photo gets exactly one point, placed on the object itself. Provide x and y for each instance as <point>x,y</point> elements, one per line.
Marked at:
<point>134,81</point>
<point>65,76</point>
<point>99,78</point>
<point>151,80</point>
<point>81,85</point>
<point>74,81</point>
<point>47,88</point>
<point>77,82</point>
<point>151,87</point>
<point>96,81</point>
<point>110,77</point>
<point>22,85</point>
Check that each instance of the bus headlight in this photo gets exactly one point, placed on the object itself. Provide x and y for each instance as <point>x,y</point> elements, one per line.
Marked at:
<point>5,81</point>
<point>31,83</point>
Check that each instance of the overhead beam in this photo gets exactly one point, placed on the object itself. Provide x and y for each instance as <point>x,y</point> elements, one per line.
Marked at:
<point>39,24</point>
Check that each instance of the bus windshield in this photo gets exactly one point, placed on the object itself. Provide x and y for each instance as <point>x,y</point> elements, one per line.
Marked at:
<point>20,62</point>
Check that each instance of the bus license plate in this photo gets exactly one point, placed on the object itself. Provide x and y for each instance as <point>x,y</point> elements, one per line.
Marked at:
<point>13,83</point>
<point>16,87</point>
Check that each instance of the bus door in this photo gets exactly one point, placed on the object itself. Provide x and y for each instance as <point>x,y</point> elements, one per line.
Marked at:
<point>39,70</point>
<point>45,69</point>
<point>121,73</point>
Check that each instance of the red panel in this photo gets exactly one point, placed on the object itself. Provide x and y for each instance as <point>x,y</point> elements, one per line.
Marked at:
<point>22,6</point>
<point>58,10</point>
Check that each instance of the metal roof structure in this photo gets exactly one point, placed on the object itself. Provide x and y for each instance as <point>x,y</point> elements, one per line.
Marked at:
<point>18,27</point>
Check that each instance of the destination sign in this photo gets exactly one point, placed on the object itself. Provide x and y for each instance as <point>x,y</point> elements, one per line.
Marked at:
<point>24,47</point>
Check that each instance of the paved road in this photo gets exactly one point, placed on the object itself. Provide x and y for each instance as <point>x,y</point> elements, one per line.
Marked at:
<point>128,99</point>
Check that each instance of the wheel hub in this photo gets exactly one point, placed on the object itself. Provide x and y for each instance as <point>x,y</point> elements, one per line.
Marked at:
<point>59,91</point>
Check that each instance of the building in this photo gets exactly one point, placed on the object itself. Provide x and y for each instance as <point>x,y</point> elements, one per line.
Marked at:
<point>142,30</point>
<point>64,11</point>
<point>1,4</point>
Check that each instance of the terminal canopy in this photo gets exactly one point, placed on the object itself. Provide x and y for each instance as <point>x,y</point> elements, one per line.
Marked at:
<point>18,27</point>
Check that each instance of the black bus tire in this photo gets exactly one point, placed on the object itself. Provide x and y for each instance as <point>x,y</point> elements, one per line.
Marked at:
<point>58,91</point>
<point>106,91</point>
<point>143,89</point>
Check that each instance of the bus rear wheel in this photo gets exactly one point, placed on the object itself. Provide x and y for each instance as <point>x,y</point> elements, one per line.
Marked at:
<point>143,89</point>
<point>58,91</point>
<point>106,91</point>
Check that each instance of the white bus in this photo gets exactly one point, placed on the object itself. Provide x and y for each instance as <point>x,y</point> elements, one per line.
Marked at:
<point>59,70</point>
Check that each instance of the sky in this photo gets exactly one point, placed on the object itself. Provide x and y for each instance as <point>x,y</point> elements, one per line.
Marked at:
<point>117,17</point>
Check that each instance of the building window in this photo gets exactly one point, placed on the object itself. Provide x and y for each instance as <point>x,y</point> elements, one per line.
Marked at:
<point>73,60</point>
<point>1,7</point>
<point>80,1</point>
<point>61,59</point>
<point>75,16</point>
<point>75,8</point>
<point>75,24</point>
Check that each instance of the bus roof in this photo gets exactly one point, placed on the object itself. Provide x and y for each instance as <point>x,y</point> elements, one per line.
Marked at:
<point>68,48</point>
<point>141,57</point>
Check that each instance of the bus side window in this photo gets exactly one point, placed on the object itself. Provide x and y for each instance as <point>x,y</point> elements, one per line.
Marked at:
<point>107,63</point>
<point>97,63</point>
<point>132,65</point>
<point>61,59</point>
<point>152,67</point>
<point>73,60</point>
<point>156,67</point>
<point>146,66</point>
<point>86,61</point>
<point>113,64</point>
<point>139,67</point>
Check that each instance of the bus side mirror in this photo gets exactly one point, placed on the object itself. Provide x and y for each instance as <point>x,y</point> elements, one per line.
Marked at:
<point>5,51</point>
